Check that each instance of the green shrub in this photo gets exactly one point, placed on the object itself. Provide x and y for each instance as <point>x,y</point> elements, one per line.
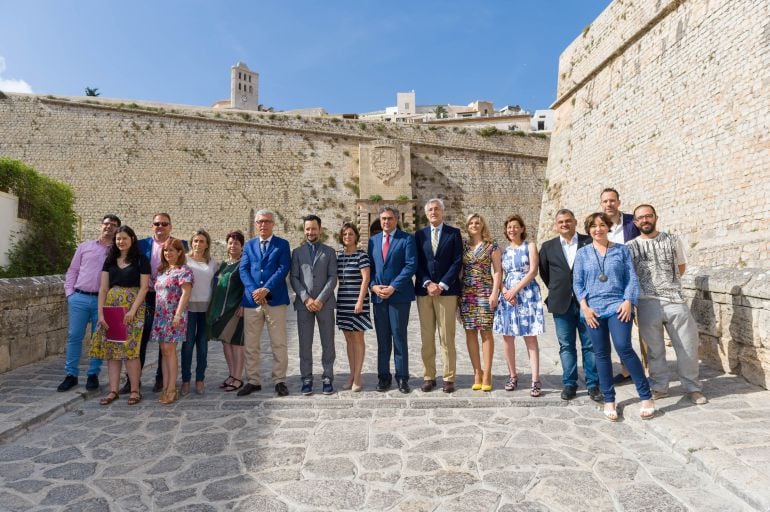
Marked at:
<point>48,242</point>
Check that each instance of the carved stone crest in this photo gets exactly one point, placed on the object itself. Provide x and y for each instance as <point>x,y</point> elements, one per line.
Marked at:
<point>385,162</point>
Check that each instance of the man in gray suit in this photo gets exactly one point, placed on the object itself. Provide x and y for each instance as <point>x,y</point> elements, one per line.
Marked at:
<point>313,278</point>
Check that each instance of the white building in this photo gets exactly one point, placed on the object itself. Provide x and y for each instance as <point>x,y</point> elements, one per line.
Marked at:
<point>542,121</point>
<point>244,89</point>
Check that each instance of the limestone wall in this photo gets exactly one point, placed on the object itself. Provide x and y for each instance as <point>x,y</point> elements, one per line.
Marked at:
<point>33,320</point>
<point>667,101</point>
<point>212,169</point>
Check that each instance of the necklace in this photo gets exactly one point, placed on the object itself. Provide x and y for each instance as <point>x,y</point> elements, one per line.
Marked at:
<point>602,276</point>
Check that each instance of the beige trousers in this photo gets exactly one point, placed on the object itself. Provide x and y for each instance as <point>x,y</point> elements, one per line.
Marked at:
<point>254,319</point>
<point>438,312</point>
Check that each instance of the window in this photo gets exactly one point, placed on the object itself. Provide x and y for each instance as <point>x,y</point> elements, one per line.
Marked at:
<point>239,86</point>
<point>249,78</point>
<point>251,89</point>
<point>406,106</point>
<point>239,75</point>
<point>541,125</point>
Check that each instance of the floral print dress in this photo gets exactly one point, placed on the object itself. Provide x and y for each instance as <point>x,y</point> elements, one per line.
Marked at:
<point>168,290</point>
<point>525,318</point>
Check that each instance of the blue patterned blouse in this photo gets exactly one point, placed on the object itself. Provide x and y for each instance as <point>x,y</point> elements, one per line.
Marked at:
<point>622,284</point>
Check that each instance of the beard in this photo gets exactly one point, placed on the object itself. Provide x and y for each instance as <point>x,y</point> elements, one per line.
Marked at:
<point>647,228</point>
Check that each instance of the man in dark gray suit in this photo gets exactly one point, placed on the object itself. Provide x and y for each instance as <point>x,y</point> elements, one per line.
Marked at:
<point>556,259</point>
<point>313,278</point>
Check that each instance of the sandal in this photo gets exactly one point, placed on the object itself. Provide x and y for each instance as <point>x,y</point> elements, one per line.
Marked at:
<point>227,382</point>
<point>611,414</point>
<point>536,389</point>
<point>647,413</point>
<point>512,384</point>
<point>232,386</point>
<point>134,398</point>
<point>111,397</point>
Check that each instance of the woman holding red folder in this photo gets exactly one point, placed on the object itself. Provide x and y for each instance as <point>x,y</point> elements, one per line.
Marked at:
<point>125,281</point>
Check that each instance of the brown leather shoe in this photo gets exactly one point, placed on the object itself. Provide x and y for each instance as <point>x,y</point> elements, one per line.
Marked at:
<point>428,386</point>
<point>448,387</point>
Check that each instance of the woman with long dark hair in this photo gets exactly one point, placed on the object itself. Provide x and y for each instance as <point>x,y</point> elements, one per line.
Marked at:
<point>124,283</point>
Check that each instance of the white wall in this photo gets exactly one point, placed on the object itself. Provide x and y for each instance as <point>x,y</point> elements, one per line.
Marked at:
<point>10,225</point>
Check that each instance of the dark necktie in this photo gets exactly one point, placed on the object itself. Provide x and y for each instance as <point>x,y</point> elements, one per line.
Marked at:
<point>263,245</point>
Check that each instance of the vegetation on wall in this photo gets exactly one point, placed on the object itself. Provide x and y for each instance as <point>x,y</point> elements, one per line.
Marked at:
<point>48,242</point>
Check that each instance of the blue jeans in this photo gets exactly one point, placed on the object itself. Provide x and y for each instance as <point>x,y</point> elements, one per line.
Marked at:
<point>196,339</point>
<point>567,324</point>
<point>81,309</point>
<point>390,321</point>
<point>621,338</point>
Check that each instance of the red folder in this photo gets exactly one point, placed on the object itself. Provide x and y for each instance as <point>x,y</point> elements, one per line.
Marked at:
<point>117,331</point>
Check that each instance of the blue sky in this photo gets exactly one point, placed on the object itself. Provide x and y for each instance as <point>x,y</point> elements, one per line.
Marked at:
<point>343,55</point>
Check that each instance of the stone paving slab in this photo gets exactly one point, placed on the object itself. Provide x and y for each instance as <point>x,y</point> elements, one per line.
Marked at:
<point>381,451</point>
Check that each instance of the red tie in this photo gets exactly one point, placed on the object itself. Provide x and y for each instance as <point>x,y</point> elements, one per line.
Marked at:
<point>385,246</point>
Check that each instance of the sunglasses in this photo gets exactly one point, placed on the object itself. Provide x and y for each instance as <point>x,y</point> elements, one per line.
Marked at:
<point>159,224</point>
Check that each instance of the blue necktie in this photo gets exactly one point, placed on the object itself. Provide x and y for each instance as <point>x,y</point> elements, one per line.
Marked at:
<point>263,244</point>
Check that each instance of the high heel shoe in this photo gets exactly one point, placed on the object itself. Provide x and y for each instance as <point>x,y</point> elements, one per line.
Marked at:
<point>170,397</point>
<point>486,387</point>
<point>476,385</point>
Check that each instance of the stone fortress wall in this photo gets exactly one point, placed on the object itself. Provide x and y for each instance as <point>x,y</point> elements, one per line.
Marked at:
<point>212,169</point>
<point>667,101</point>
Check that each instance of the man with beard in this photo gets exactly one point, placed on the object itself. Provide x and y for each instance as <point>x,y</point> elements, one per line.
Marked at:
<point>313,278</point>
<point>659,261</point>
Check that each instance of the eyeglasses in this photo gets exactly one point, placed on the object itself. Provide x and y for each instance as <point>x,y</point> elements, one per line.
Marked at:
<point>263,221</point>
<point>112,224</point>
<point>644,217</point>
<point>159,224</point>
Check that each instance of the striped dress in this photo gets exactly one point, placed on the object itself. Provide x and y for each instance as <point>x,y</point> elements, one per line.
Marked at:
<point>349,278</point>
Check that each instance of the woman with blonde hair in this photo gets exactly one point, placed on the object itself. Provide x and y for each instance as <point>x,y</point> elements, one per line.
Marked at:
<point>172,288</point>
<point>481,283</point>
<point>203,267</point>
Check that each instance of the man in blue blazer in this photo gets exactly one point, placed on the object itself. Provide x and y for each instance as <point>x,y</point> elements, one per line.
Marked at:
<point>439,261</point>
<point>393,256</point>
<point>150,248</point>
<point>623,228</point>
<point>265,263</point>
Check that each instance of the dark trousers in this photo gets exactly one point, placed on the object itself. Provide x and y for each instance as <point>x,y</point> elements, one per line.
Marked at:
<point>196,339</point>
<point>149,317</point>
<point>621,338</point>
<point>390,322</point>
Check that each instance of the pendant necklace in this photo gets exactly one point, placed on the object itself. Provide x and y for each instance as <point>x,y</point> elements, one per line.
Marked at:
<point>602,276</point>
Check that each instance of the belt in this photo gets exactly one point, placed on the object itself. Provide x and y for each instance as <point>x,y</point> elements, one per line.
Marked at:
<point>78,290</point>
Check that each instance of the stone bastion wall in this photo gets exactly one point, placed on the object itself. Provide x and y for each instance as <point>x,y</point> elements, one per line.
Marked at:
<point>667,101</point>
<point>213,169</point>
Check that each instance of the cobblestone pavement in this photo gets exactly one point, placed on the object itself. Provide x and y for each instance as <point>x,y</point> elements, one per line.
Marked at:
<point>371,451</point>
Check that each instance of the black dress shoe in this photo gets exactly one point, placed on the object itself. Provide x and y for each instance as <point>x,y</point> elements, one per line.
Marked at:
<point>248,389</point>
<point>403,386</point>
<point>281,389</point>
<point>595,394</point>
<point>69,382</point>
<point>568,393</point>
<point>428,386</point>
<point>448,387</point>
<point>92,382</point>
<point>383,385</point>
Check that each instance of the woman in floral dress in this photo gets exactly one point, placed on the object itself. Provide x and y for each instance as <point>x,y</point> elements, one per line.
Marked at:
<point>124,283</point>
<point>481,282</point>
<point>520,309</point>
<point>172,288</point>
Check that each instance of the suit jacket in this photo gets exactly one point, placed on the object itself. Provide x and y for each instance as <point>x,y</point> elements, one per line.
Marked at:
<point>145,247</point>
<point>630,231</point>
<point>556,274</point>
<point>268,272</point>
<point>398,268</point>
<point>314,278</point>
<point>445,265</point>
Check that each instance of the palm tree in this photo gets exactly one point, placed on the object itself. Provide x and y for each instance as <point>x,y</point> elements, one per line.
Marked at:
<point>92,91</point>
<point>440,112</point>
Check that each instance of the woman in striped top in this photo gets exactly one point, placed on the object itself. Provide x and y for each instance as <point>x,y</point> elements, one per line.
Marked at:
<point>353,300</point>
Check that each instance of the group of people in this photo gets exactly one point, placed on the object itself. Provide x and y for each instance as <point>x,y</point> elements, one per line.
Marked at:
<point>176,294</point>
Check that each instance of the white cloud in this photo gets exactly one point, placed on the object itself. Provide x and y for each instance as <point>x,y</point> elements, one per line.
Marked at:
<point>12,85</point>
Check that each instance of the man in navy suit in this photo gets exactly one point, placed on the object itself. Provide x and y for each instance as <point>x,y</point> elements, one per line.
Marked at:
<point>393,255</point>
<point>439,261</point>
<point>265,263</point>
<point>557,257</point>
<point>150,248</point>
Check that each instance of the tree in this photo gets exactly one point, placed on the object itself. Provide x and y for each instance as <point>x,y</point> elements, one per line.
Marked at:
<point>92,91</point>
<point>440,112</point>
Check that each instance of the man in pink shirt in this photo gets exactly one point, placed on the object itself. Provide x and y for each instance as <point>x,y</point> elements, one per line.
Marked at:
<point>81,286</point>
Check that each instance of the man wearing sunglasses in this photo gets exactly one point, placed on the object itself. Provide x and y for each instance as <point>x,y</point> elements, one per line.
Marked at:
<point>151,248</point>
<point>81,286</point>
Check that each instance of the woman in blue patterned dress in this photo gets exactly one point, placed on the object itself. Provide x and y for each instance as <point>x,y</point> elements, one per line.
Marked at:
<point>353,271</point>
<point>520,308</point>
<point>169,327</point>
